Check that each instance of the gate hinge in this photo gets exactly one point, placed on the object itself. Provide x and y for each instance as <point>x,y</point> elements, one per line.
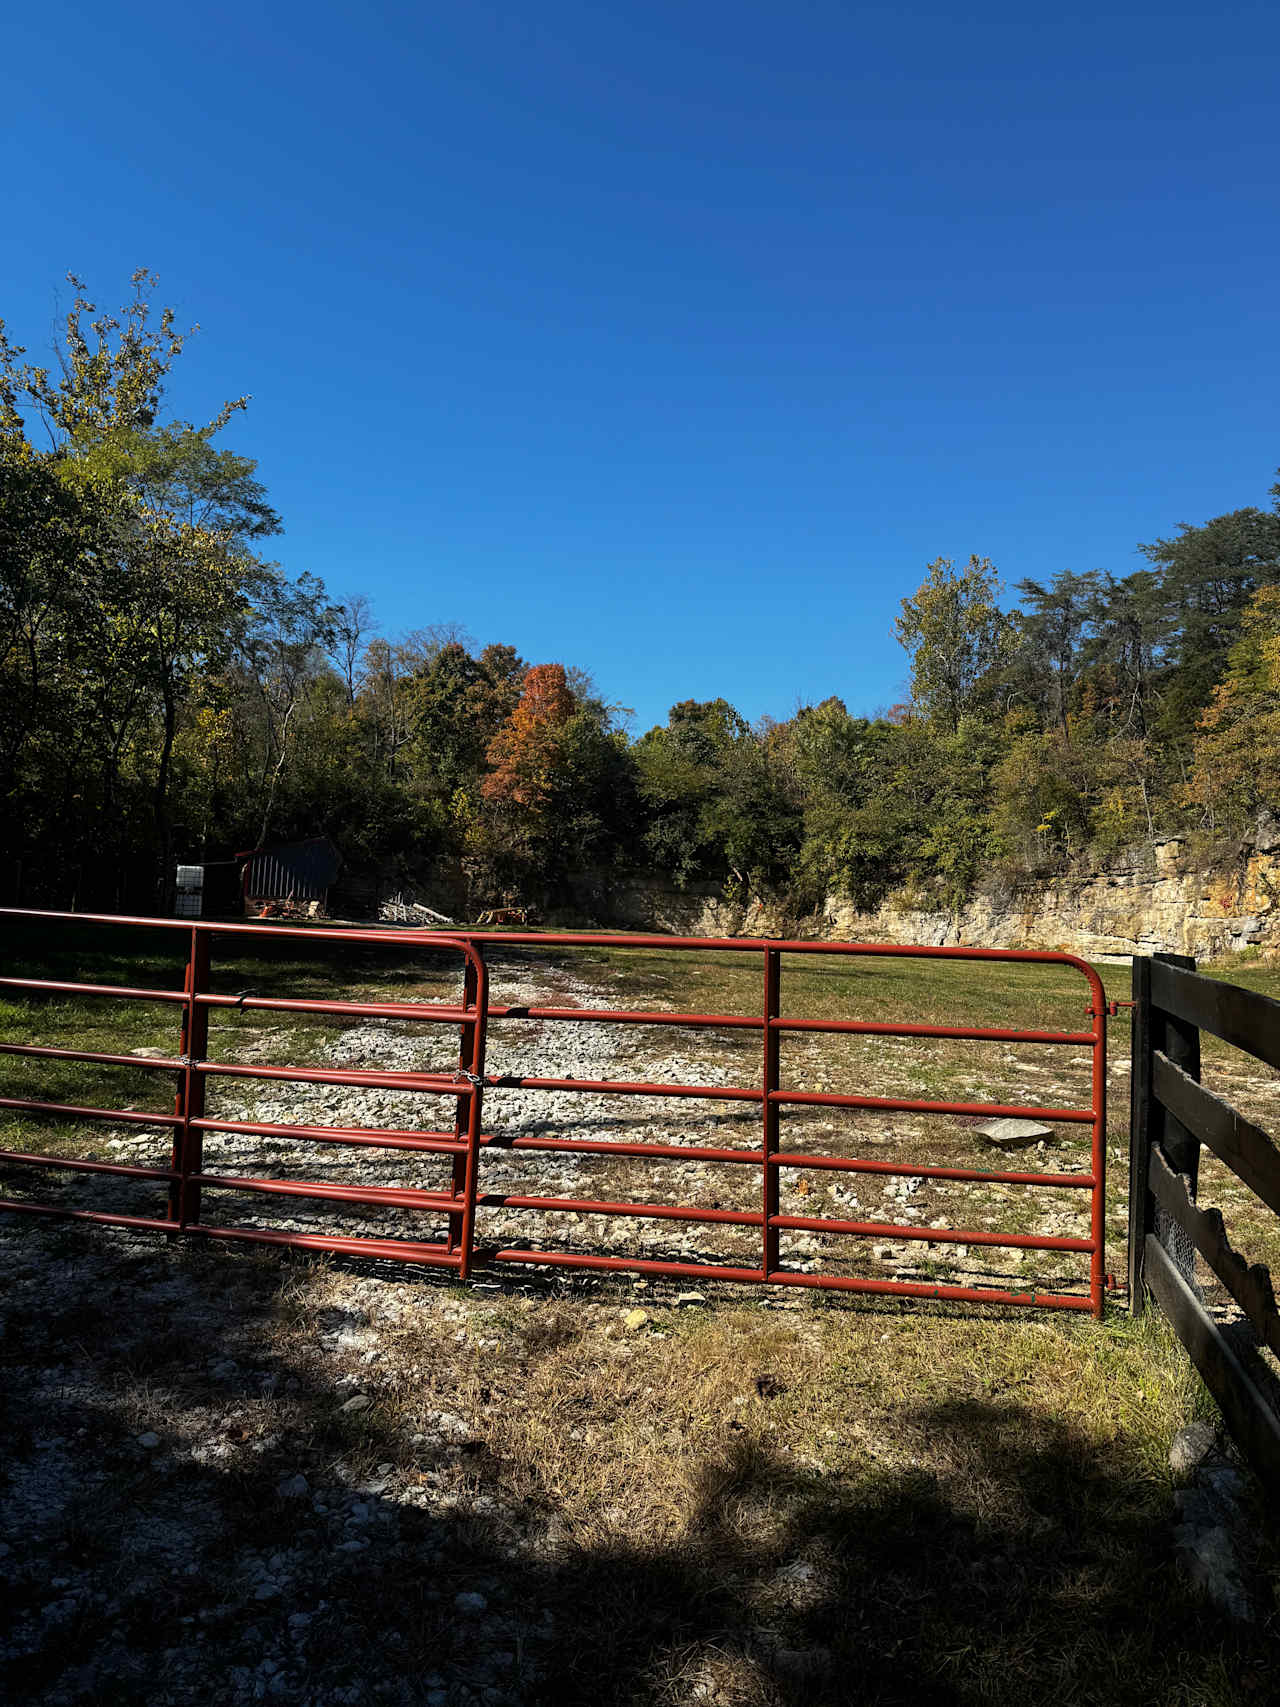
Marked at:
<point>1113,1008</point>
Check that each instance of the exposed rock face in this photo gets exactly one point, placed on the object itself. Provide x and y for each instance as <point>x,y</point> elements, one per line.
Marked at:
<point>1134,911</point>
<point>1146,908</point>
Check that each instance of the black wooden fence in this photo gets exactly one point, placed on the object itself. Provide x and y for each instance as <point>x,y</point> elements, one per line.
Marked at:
<point>1172,1116</point>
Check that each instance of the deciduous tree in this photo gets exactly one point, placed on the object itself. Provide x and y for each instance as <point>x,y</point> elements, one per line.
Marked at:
<point>958,639</point>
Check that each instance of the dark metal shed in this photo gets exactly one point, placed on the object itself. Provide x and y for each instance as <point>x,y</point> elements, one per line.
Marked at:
<point>291,871</point>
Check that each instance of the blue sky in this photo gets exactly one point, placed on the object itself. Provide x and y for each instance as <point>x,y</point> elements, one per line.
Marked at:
<point>674,340</point>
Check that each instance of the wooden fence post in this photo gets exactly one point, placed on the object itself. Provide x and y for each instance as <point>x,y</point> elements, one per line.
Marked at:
<point>1179,1040</point>
<point>1151,1123</point>
<point>1140,1100</point>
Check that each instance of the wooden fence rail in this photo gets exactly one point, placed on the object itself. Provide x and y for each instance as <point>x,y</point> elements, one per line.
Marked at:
<point>1172,1115</point>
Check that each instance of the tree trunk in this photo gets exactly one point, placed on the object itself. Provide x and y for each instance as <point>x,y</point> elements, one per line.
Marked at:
<point>163,825</point>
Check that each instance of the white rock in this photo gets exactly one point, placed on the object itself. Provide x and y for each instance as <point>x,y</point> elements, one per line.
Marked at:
<point>1009,1134</point>
<point>1191,1446</point>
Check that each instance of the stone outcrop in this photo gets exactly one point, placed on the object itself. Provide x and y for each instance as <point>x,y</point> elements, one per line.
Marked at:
<point>1156,904</point>
<point>1138,910</point>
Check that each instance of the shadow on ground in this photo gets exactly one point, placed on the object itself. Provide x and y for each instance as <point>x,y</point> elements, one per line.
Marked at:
<point>141,1572</point>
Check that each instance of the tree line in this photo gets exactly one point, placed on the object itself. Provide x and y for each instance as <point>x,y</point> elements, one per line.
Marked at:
<point>167,693</point>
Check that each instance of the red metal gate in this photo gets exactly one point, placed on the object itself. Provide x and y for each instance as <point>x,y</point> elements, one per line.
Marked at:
<point>465,1143</point>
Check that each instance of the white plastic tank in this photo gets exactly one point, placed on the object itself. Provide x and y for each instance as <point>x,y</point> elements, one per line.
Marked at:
<point>189,892</point>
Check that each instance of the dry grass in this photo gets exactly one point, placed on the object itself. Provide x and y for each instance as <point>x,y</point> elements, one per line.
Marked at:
<point>731,1502</point>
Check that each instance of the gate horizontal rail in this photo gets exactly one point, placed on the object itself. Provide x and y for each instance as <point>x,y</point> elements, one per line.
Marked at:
<point>467,1144</point>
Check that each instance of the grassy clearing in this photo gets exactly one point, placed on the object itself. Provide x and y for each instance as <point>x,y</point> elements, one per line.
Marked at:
<point>955,993</point>
<point>756,1499</point>
<point>1023,996</point>
<point>156,960</point>
<point>952,993</point>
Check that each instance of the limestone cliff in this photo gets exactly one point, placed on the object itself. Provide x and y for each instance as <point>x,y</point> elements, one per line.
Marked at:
<point>1153,905</point>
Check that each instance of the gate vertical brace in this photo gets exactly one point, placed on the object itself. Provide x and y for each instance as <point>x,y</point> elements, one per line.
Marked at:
<point>462,1113</point>
<point>1098,1163</point>
<point>478,978</point>
<point>188,1141</point>
<point>1140,1200</point>
<point>769,1084</point>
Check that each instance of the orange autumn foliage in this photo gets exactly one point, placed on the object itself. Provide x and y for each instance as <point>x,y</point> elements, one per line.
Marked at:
<point>523,753</point>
